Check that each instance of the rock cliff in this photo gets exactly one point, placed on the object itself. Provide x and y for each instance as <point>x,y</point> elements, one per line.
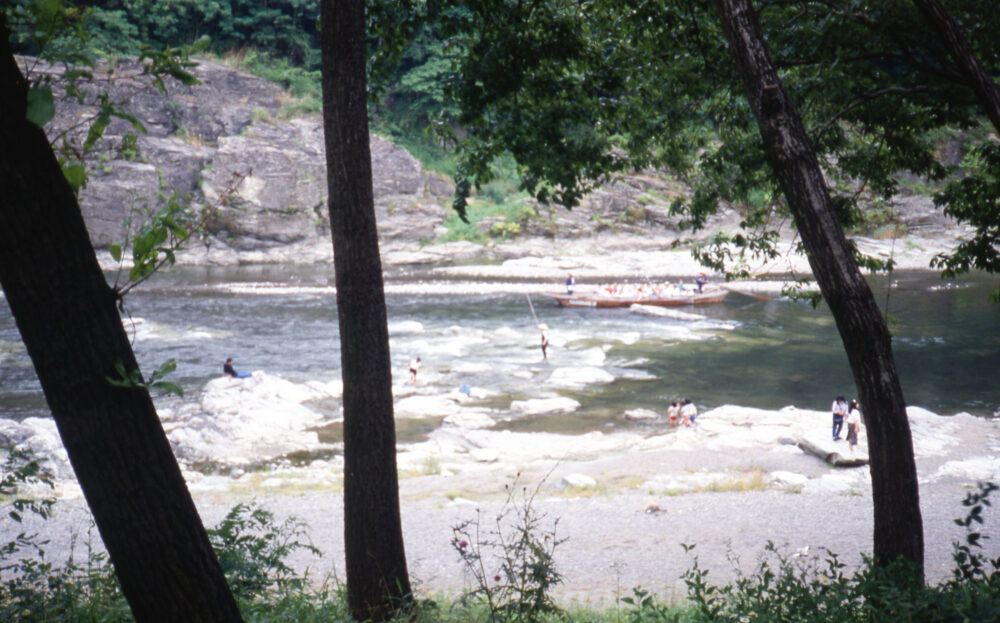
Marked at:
<point>197,137</point>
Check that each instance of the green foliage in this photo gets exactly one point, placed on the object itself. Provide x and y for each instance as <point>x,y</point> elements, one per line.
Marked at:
<point>299,81</point>
<point>36,590</point>
<point>161,234</point>
<point>20,469</point>
<point>975,199</point>
<point>577,92</point>
<point>283,28</point>
<point>970,564</point>
<point>810,587</point>
<point>512,561</point>
<point>41,107</point>
<point>509,219</point>
<point>133,378</point>
<point>643,608</point>
<point>253,549</point>
<point>250,546</point>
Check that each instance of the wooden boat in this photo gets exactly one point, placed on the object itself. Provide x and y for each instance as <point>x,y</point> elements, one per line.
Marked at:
<point>594,299</point>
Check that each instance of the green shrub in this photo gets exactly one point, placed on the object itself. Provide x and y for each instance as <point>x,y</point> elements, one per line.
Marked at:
<point>511,560</point>
<point>252,550</point>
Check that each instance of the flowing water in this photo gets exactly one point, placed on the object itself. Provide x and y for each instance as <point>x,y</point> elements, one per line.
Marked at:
<point>746,351</point>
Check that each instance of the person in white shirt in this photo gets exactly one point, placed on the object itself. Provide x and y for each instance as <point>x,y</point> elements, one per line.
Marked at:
<point>853,424</point>
<point>839,410</point>
<point>688,412</point>
<point>674,412</point>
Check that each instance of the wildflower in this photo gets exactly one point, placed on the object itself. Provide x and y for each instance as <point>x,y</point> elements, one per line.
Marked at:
<point>462,545</point>
<point>496,578</point>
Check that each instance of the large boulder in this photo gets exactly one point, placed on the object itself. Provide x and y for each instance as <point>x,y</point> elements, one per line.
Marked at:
<point>244,421</point>
<point>41,438</point>
<point>197,136</point>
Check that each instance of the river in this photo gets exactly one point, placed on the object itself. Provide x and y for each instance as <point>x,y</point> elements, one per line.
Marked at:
<point>746,351</point>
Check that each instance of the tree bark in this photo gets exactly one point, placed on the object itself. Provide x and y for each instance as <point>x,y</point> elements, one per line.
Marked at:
<point>377,580</point>
<point>68,320</point>
<point>898,527</point>
<point>987,91</point>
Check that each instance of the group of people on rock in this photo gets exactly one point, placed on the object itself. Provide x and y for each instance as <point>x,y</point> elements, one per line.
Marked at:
<point>849,413</point>
<point>682,412</point>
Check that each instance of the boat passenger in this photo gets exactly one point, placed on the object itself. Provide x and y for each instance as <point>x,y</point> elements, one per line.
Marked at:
<point>701,281</point>
<point>570,282</point>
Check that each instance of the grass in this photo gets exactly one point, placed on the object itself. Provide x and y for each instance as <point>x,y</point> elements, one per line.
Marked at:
<point>430,466</point>
<point>755,480</point>
<point>507,219</point>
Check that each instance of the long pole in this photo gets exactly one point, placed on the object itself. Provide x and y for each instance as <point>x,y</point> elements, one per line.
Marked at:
<point>531,307</point>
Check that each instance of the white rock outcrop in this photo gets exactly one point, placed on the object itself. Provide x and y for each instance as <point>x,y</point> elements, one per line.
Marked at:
<point>242,421</point>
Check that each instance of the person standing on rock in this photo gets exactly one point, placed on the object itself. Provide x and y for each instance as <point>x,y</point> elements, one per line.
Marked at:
<point>544,328</point>
<point>839,410</point>
<point>853,424</point>
<point>673,412</point>
<point>688,412</point>
<point>414,368</point>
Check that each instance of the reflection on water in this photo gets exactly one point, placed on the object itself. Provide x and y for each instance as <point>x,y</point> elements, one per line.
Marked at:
<point>765,354</point>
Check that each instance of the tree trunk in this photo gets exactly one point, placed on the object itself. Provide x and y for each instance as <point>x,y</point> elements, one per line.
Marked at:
<point>987,91</point>
<point>377,580</point>
<point>898,526</point>
<point>70,325</point>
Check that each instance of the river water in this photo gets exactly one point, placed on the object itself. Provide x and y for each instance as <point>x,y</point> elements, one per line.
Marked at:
<point>746,351</point>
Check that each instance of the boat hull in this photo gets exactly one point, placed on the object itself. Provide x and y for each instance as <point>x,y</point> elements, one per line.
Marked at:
<point>584,300</point>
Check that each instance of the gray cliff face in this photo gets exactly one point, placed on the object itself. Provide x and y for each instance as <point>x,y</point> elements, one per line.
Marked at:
<point>199,139</point>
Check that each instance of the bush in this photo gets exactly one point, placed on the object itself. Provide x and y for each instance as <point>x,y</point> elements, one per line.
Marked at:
<point>252,551</point>
<point>512,561</point>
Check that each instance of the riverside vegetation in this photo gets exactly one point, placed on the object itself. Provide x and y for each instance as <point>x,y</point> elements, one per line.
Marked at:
<point>511,562</point>
<point>709,601</point>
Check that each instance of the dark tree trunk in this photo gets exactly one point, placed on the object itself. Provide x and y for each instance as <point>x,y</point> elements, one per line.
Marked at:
<point>377,580</point>
<point>898,526</point>
<point>71,328</point>
<point>987,91</point>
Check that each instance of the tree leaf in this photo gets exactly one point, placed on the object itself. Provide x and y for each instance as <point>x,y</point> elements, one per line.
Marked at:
<point>40,105</point>
<point>169,387</point>
<point>76,175</point>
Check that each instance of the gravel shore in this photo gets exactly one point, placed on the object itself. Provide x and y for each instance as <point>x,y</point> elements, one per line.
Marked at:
<point>616,537</point>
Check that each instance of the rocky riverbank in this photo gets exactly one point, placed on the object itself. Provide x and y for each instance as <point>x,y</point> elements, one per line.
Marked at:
<point>198,136</point>
<point>626,500</point>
